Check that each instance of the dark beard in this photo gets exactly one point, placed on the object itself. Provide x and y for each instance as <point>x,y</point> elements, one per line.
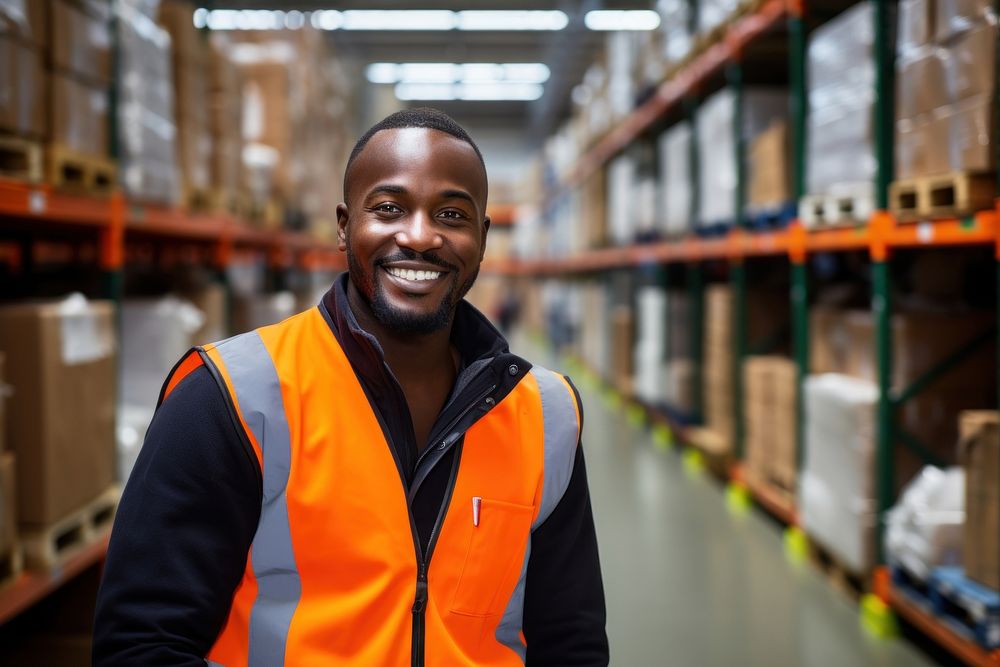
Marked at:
<point>399,321</point>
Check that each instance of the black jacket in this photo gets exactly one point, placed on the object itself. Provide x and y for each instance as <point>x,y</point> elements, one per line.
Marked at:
<point>192,504</point>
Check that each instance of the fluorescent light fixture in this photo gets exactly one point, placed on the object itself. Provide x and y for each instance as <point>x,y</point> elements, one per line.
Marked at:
<point>381,19</point>
<point>502,20</point>
<point>526,73</point>
<point>399,19</point>
<point>494,92</point>
<point>622,19</point>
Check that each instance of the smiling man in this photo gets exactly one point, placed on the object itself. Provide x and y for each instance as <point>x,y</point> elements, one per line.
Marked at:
<point>375,481</point>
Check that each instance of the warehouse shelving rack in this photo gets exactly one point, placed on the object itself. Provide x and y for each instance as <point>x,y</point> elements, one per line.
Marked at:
<point>879,237</point>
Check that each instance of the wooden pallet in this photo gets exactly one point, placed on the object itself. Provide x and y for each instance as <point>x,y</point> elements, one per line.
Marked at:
<point>837,210</point>
<point>969,608</point>
<point>198,200</point>
<point>72,170</point>
<point>843,578</point>
<point>50,546</point>
<point>20,159</point>
<point>951,195</point>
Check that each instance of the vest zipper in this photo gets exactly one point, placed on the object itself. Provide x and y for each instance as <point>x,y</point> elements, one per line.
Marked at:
<point>454,422</point>
<point>420,598</point>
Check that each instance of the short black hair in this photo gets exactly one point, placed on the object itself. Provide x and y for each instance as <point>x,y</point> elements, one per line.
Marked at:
<point>419,117</point>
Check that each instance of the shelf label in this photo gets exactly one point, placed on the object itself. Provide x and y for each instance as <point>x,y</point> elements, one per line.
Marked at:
<point>925,232</point>
<point>37,201</point>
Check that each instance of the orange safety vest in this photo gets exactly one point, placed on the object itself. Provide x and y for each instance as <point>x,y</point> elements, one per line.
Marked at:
<point>335,573</point>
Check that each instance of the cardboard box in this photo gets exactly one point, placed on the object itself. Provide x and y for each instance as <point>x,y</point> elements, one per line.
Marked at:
<point>622,329</point>
<point>8,502</point>
<point>972,135</point>
<point>769,397</point>
<point>61,363</point>
<point>911,147</point>
<point>981,460</point>
<point>27,21</point>
<point>921,84</point>
<point>770,173</point>
<point>79,118</point>
<point>954,17</point>
<point>937,142</point>
<point>81,41</point>
<point>211,301</point>
<point>4,394</point>
<point>970,64</point>
<point>22,89</point>
<point>916,24</point>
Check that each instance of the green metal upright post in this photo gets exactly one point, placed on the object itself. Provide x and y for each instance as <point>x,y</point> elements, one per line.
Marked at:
<point>885,108</point>
<point>885,478</point>
<point>800,285</point>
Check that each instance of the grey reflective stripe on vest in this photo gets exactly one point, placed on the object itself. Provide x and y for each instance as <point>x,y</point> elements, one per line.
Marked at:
<point>258,394</point>
<point>559,416</point>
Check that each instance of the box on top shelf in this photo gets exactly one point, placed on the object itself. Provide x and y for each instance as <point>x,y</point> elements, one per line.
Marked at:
<point>954,17</point>
<point>81,40</point>
<point>980,455</point>
<point>147,124</point>
<point>26,21</point>
<point>770,169</point>
<point>716,137</point>
<point>23,108</point>
<point>61,417</point>
<point>840,152</point>
<point>79,115</point>
<point>225,120</point>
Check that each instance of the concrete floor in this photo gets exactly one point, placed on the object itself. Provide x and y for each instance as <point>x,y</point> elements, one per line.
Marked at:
<point>691,583</point>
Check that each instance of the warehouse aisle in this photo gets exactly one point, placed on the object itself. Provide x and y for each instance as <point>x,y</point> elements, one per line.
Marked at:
<point>689,583</point>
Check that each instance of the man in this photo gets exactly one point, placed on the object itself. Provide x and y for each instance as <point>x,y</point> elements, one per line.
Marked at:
<point>377,481</point>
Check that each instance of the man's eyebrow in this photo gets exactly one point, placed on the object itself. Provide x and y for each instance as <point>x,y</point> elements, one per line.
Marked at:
<point>387,190</point>
<point>458,194</point>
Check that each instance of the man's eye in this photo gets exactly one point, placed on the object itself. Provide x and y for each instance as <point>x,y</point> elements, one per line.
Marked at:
<point>388,208</point>
<point>453,215</point>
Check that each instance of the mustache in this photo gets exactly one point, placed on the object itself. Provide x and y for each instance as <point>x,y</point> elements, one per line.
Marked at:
<point>411,255</point>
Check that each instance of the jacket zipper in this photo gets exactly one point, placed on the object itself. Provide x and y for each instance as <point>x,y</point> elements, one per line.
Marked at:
<point>454,422</point>
<point>420,599</point>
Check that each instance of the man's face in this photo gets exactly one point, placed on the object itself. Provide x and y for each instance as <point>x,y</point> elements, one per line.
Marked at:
<point>415,226</point>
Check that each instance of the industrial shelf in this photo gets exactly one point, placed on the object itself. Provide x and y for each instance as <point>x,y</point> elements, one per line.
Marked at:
<point>30,587</point>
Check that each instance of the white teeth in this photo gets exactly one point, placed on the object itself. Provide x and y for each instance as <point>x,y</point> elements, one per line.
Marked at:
<point>409,274</point>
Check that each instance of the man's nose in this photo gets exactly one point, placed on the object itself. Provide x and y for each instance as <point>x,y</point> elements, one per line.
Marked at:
<point>419,233</point>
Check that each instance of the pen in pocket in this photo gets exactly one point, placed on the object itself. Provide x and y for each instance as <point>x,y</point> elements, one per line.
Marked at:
<point>477,505</point>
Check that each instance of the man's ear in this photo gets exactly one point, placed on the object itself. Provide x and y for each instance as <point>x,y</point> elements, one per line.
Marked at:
<point>342,219</point>
<point>486,231</point>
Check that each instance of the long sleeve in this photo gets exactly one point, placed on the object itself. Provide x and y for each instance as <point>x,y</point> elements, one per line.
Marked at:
<point>181,537</point>
<point>564,613</point>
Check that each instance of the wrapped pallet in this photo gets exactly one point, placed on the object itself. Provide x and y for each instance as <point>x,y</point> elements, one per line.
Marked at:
<point>225,125</point>
<point>620,200</point>
<point>147,124</point>
<point>837,485</point>
<point>649,355</point>
<point>23,109</point>
<point>675,179</point>
<point>840,153</point>
<point>716,138</point>
<point>675,22</point>
<point>189,62</point>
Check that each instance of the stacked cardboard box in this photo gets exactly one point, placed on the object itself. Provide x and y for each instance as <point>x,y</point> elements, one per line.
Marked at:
<point>718,369</point>
<point>79,58</point>
<point>981,460</point>
<point>225,122</point>
<point>8,505</point>
<point>840,154</point>
<point>675,179</point>
<point>622,332</point>
<point>716,138</point>
<point>594,343</point>
<point>189,62</point>
<point>770,412</point>
<point>837,486</point>
<point>61,363</point>
<point>593,211</point>
<point>147,124</point>
<point>770,169</point>
<point>946,82</point>
<point>23,38</point>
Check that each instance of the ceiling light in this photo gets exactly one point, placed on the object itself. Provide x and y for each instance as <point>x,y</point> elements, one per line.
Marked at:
<point>501,20</point>
<point>425,91</point>
<point>535,73</point>
<point>620,19</point>
<point>380,19</point>
<point>500,91</point>
<point>399,19</point>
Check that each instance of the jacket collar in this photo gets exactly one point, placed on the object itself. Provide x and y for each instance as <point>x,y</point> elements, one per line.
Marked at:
<point>478,342</point>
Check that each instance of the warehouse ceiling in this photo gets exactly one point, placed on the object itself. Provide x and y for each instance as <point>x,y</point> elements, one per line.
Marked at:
<point>568,52</point>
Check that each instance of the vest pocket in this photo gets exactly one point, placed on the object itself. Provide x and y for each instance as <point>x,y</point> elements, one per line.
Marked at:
<point>494,558</point>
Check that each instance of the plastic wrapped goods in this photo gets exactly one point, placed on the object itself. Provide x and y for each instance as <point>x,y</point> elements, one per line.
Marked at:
<point>837,485</point>
<point>841,78</point>
<point>28,20</point>
<point>925,526</point>
<point>146,108</point>
<point>620,202</point>
<point>675,19</point>
<point>675,179</point>
<point>650,348</point>
<point>713,13</point>
<point>717,145</point>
